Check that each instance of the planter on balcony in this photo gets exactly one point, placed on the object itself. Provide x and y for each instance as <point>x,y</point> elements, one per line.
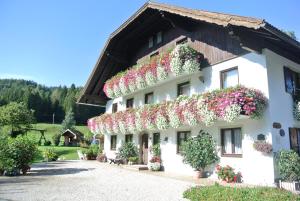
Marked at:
<point>182,60</point>
<point>226,104</point>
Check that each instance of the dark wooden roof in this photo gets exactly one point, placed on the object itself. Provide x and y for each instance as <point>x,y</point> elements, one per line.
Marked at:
<point>112,58</point>
<point>72,131</point>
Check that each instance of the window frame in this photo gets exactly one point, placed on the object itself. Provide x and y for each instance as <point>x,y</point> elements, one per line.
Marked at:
<point>181,85</point>
<point>186,136</point>
<point>114,108</point>
<point>233,154</point>
<point>146,99</point>
<point>222,72</point>
<point>295,79</point>
<point>111,142</point>
<point>128,138</point>
<point>127,102</point>
<point>161,37</point>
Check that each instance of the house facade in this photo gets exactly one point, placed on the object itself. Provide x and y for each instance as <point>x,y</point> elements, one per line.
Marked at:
<point>223,52</point>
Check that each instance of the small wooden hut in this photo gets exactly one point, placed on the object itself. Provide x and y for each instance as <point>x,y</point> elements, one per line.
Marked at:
<point>72,137</point>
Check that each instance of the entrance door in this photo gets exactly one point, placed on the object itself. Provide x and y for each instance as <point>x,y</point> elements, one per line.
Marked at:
<point>295,139</point>
<point>144,148</point>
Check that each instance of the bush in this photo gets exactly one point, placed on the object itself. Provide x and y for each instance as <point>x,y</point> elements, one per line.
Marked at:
<point>200,151</point>
<point>16,154</point>
<point>128,150</point>
<point>92,152</point>
<point>221,193</point>
<point>49,154</point>
<point>133,159</point>
<point>155,150</point>
<point>289,165</point>
<point>47,143</point>
<point>56,138</point>
<point>101,157</point>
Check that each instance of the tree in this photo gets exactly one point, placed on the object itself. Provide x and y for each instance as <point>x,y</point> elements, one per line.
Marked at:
<point>69,121</point>
<point>200,151</point>
<point>290,34</point>
<point>17,116</point>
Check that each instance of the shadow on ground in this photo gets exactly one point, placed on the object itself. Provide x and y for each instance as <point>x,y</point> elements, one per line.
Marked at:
<point>57,171</point>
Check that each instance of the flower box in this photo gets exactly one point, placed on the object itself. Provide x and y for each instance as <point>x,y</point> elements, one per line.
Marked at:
<point>154,166</point>
<point>290,186</point>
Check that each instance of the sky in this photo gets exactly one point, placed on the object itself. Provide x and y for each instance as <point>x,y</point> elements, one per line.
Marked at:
<point>57,42</point>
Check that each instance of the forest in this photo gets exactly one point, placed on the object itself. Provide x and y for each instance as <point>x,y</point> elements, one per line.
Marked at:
<point>48,103</point>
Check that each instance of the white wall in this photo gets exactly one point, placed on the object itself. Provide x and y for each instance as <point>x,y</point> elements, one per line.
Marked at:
<point>255,167</point>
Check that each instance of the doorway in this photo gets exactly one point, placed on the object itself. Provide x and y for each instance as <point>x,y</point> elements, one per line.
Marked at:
<point>295,139</point>
<point>144,148</point>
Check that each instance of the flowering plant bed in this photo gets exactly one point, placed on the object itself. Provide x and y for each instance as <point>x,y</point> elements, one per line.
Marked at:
<point>228,175</point>
<point>155,163</point>
<point>263,146</point>
<point>225,104</point>
<point>181,60</point>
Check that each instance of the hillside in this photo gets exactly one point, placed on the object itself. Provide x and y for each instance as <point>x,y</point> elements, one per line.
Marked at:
<point>47,102</point>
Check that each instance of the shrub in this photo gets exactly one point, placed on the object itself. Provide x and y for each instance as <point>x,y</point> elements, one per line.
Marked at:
<point>221,193</point>
<point>128,150</point>
<point>289,165</point>
<point>133,159</point>
<point>49,154</point>
<point>56,138</point>
<point>92,152</point>
<point>227,174</point>
<point>263,146</point>
<point>101,158</point>
<point>16,154</point>
<point>47,143</point>
<point>155,150</point>
<point>200,151</point>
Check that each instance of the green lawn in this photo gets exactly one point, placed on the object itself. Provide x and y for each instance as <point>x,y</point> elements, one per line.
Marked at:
<point>64,153</point>
<point>221,193</point>
<point>52,129</point>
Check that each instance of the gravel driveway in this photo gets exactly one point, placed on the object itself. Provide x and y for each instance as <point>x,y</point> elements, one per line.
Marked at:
<point>89,181</point>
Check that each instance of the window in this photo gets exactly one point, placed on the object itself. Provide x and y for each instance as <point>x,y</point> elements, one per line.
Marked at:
<point>113,142</point>
<point>182,136</point>
<point>156,138</point>
<point>129,103</point>
<point>128,138</point>
<point>229,77</point>
<point>183,89</point>
<point>291,80</point>
<point>231,142</point>
<point>159,37</point>
<point>115,108</point>
<point>295,139</point>
<point>150,42</point>
<point>149,98</point>
<point>154,55</point>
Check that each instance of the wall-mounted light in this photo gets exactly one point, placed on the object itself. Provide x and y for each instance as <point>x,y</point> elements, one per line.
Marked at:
<point>281,132</point>
<point>201,78</point>
<point>166,139</point>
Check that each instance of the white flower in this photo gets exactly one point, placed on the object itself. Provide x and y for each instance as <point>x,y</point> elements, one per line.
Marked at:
<point>140,82</point>
<point>232,112</point>
<point>123,127</point>
<point>190,118</point>
<point>132,86</point>
<point>208,117</point>
<point>161,73</point>
<point>117,90</point>
<point>174,119</point>
<point>150,78</point>
<point>161,122</point>
<point>124,89</point>
<point>190,66</point>
<point>138,122</point>
<point>176,66</point>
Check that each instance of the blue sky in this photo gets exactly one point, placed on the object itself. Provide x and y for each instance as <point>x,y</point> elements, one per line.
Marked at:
<point>57,42</point>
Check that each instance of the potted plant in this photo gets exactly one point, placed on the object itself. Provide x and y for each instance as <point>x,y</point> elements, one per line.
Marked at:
<point>132,160</point>
<point>289,169</point>
<point>199,152</point>
<point>155,163</point>
<point>92,152</point>
<point>128,150</point>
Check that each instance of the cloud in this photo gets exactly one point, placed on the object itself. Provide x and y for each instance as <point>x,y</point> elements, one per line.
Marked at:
<point>16,76</point>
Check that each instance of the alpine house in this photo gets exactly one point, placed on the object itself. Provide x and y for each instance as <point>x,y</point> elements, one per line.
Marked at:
<point>169,72</point>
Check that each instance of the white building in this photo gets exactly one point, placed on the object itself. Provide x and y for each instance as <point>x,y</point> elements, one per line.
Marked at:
<point>235,51</point>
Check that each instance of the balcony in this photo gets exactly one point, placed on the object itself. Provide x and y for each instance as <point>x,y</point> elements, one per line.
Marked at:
<point>180,62</point>
<point>226,105</point>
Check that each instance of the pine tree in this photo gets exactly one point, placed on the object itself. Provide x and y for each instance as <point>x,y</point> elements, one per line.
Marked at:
<point>69,121</point>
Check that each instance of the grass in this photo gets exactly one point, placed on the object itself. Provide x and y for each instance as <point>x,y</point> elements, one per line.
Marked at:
<point>221,193</point>
<point>52,129</point>
<point>65,153</point>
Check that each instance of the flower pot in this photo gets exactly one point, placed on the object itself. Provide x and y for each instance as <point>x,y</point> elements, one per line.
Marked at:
<point>154,166</point>
<point>199,174</point>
